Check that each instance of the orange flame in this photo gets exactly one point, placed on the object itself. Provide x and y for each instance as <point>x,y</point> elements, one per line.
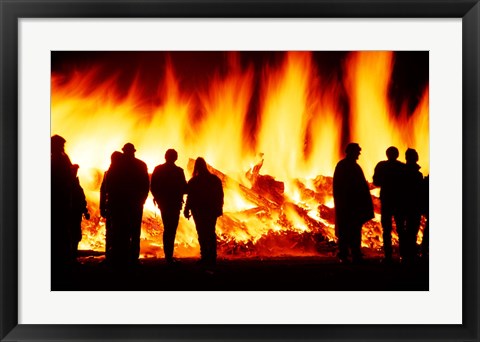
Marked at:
<point>374,124</point>
<point>298,131</point>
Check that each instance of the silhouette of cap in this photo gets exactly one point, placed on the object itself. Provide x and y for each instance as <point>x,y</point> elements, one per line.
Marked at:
<point>352,148</point>
<point>171,155</point>
<point>75,166</point>
<point>128,147</point>
<point>57,140</point>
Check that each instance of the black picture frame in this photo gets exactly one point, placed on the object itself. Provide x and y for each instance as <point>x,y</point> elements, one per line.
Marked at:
<point>11,11</point>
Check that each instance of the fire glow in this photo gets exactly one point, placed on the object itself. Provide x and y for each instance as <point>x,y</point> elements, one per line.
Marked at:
<point>275,164</point>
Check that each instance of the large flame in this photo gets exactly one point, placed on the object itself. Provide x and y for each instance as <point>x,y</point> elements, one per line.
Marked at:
<point>374,123</point>
<point>291,143</point>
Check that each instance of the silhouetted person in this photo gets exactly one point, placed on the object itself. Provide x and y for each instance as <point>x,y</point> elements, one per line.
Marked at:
<point>205,202</point>
<point>105,200</point>
<point>79,210</point>
<point>61,197</point>
<point>412,204</point>
<point>388,176</point>
<point>353,204</point>
<point>168,187</point>
<point>127,188</point>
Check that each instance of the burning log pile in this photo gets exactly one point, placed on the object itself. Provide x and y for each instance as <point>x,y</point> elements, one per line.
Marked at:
<point>276,223</point>
<point>272,207</point>
<point>304,227</point>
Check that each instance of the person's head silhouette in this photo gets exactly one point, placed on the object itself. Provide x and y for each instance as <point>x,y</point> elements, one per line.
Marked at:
<point>200,167</point>
<point>171,156</point>
<point>411,156</point>
<point>57,144</point>
<point>353,151</point>
<point>129,150</point>
<point>116,157</point>
<point>392,153</point>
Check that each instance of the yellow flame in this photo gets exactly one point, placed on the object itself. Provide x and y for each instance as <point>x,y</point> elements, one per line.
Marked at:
<point>299,132</point>
<point>373,123</point>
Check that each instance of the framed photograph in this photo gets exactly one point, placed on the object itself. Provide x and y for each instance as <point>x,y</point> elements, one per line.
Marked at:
<point>292,112</point>
<point>277,230</point>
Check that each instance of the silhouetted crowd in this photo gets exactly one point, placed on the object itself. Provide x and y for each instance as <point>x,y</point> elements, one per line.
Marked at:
<point>126,184</point>
<point>123,193</point>
<point>403,197</point>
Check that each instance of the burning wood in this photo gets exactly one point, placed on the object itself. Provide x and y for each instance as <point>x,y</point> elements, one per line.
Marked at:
<point>266,184</point>
<point>297,230</point>
<point>323,188</point>
<point>250,194</point>
<point>276,225</point>
<point>327,213</point>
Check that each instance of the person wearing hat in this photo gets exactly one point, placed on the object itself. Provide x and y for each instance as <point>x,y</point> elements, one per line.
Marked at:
<point>168,187</point>
<point>389,175</point>
<point>353,204</point>
<point>127,187</point>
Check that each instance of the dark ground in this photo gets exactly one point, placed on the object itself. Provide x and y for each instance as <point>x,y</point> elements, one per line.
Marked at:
<point>254,274</point>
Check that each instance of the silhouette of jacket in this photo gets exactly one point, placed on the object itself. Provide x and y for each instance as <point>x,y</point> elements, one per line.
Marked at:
<point>114,180</point>
<point>205,196</point>
<point>128,184</point>
<point>107,203</point>
<point>413,189</point>
<point>61,181</point>
<point>168,186</point>
<point>205,201</point>
<point>412,207</point>
<point>127,190</point>
<point>353,206</point>
<point>389,176</point>
<point>110,191</point>
<point>353,202</point>
<point>61,209</point>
